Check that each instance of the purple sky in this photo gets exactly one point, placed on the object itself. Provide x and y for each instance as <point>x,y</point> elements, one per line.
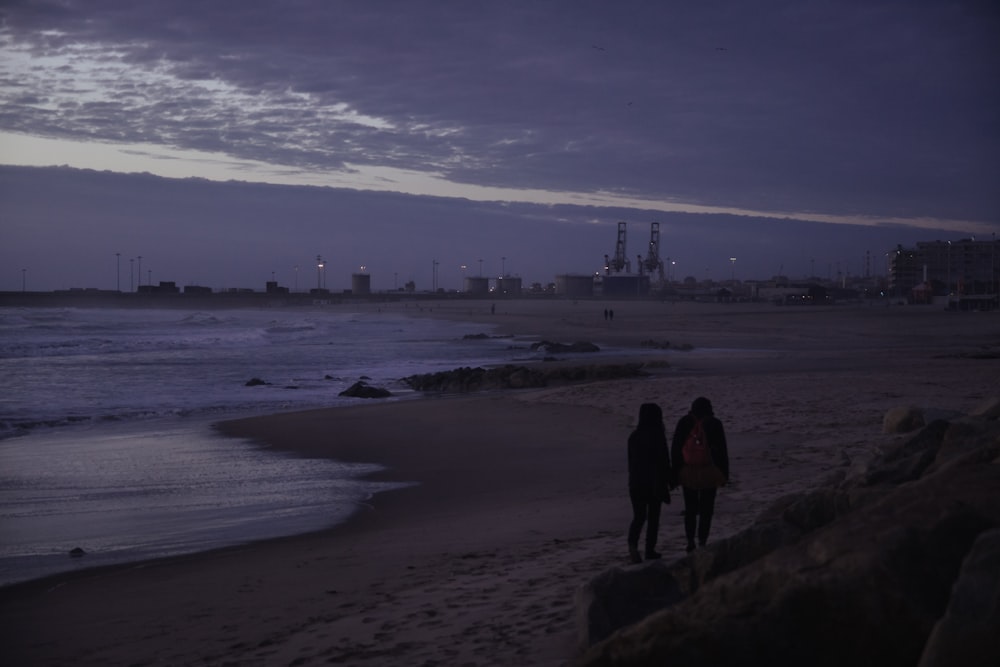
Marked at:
<point>791,135</point>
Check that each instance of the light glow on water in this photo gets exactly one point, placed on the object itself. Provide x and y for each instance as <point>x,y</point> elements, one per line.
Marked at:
<point>124,494</point>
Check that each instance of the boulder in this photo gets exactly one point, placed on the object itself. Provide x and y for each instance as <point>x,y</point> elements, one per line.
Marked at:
<point>362,390</point>
<point>622,596</point>
<point>988,409</point>
<point>861,570</point>
<point>967,633</point>
<point>255,382</point>
<point>902,420</point>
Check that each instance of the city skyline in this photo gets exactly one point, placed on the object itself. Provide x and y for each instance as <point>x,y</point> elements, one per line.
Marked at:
<point>778,132</point>
<point>284,226</point>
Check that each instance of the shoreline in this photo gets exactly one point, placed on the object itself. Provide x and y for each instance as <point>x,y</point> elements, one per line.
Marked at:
<point>482,568</point>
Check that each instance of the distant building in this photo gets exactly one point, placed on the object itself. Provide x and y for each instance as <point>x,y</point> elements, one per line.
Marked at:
<point>957,268</point>
<point>575,286</point>
<point>477,285</point>
<point>508,286</point>
<point>274,288</point>
<point>165,287</point>
<point>625,285</point>
<point>361,283</point>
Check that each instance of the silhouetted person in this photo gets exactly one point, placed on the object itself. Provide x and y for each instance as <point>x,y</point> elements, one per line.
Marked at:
<point>611,315</point>
<point>649,478</point>
<point>701,465</point>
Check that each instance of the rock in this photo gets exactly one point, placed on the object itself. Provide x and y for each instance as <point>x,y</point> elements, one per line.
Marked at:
<point>362,390</point>
<point>988,409</point>
<point>619,597</point>
<point>77,552</point>
<point>902,462</point>
<point>902,420</point>
<point>255,382</point>
<point>563,348</point>
<point>967,633</point>
<point>858,571</point>
<point>510,376</point>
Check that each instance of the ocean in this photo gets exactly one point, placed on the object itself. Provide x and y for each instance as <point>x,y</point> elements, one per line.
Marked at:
<point>106,441</point>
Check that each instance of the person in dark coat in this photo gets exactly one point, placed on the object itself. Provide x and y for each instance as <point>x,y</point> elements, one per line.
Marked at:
<point>700,489</point>
<point>649,478</point>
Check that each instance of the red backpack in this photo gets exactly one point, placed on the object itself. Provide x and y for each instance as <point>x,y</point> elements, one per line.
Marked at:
<point>696,450</point>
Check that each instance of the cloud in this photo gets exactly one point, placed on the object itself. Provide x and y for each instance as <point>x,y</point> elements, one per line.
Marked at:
<point>882,108</point>
<point>66,225</point>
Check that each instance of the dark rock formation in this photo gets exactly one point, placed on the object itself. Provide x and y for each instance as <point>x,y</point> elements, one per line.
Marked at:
<point>255,382</point>
<point>967,633</point>
<point>485,336</point>
<point>902,420</point>
<point>77,552</point>
<point>511,376</point>
<point>564,348</point>
<point>893,563</point>
<point>361,389</point>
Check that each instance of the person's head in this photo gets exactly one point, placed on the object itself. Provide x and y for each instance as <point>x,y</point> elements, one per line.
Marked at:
<point>701,407</point>
<point>650,415</point>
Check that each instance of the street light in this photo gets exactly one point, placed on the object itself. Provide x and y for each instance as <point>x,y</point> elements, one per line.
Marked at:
<point>118,272</point>
<point>732,275</point>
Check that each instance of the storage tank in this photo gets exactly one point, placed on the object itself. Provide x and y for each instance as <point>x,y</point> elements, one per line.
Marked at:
<point>361,283</point>
<point>509,286</point>
<point>575,285</point>
<point>625,285</point>
<point>477,285</point>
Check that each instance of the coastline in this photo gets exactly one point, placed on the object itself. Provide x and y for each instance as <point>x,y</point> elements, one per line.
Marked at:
<point>481,567</point>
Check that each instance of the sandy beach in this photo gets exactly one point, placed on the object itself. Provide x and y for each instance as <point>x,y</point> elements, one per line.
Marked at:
<point>518,497</point>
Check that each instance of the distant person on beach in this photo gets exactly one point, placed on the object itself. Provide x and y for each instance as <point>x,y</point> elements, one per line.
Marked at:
<point>701,465</point>
<point>649,478</point>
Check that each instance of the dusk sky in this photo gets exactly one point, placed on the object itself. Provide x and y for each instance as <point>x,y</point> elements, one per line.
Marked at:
<point>229,142</point>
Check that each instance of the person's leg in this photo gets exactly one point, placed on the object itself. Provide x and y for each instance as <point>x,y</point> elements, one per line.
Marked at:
<point>706,506</point>
<point>635,528</point>
<point>652,528</point>
<point>690,515</point>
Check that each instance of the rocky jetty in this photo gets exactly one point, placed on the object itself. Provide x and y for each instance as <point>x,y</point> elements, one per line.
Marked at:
<point>362,389</point>
<point>895,561</point>
<point>565,348</point>
<point>513,376</point>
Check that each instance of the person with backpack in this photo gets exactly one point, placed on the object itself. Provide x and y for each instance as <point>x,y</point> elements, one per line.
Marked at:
<point>701,465</point>
<point>649,479</point>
